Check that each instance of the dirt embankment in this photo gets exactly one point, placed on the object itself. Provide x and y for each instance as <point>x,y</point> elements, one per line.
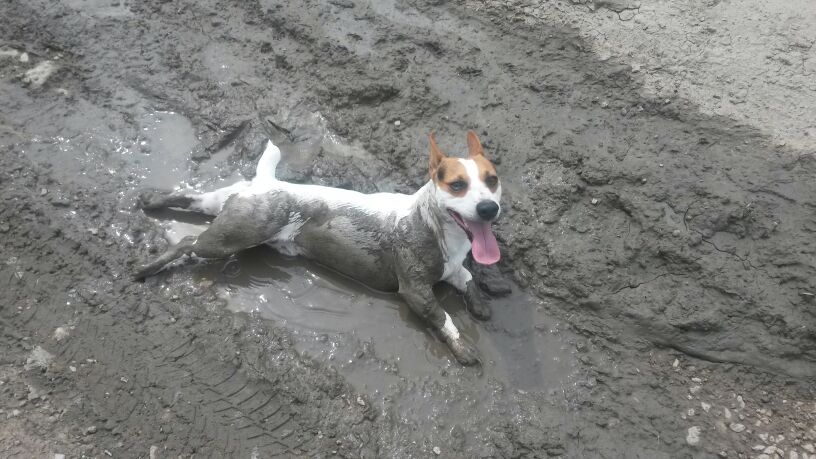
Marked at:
<point>634,219</point>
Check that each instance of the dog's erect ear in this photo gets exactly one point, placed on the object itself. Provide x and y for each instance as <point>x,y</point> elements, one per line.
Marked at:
<point>436,154</point>
<point>474,145</point>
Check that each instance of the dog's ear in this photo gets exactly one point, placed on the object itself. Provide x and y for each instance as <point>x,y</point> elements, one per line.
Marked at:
<point>474,145</point>
<point>436,154</point>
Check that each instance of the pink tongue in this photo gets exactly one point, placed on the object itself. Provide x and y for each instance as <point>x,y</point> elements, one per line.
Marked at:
<point>484,247</point>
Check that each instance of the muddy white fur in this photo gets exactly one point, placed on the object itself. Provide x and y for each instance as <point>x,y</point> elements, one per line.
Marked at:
<point>390,241</point>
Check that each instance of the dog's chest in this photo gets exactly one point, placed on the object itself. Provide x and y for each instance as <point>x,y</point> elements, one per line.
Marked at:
<point>458,247</point>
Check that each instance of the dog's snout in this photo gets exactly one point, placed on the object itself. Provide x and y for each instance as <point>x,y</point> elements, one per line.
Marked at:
<point>487,209</point>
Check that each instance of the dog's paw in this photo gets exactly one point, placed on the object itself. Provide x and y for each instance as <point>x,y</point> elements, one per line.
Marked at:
<point>465,353</point>
<point>153,199</point>
<point>143,272</point>
<point>475,304</point>
<point>479,309</point>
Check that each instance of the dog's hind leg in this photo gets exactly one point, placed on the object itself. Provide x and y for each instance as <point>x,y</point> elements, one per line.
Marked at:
<point>243,223</point>
<point>184,247</point>
<point>209,203</point>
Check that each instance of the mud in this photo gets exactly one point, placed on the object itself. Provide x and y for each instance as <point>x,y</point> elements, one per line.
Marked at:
<point>656,293</point>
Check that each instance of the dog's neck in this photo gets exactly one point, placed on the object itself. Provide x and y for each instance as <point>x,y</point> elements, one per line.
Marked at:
<point>428,214</point>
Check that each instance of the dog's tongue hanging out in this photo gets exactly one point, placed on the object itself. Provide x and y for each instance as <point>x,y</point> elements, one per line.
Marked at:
<point>484,247</point>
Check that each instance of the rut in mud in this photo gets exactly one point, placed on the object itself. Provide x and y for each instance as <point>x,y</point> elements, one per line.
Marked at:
<point>627,222</point>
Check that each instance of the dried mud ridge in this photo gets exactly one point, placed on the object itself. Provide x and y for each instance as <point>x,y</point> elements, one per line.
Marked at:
<point>639,222</point>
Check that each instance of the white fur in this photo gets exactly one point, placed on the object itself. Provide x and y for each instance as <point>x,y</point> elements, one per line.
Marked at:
<point>459,277</point>
<point>284,241</point>
<point>449,329</point>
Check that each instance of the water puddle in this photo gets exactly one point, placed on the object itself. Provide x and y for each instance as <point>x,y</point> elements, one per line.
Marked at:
<point>370,337</point>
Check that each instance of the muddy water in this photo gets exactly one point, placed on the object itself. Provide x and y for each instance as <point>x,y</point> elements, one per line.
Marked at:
<point>370,337</point>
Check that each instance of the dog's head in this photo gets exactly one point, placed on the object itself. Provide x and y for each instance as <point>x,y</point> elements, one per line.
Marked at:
<point>469,190</point>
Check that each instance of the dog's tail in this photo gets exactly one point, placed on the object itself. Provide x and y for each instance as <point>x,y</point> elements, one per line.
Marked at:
<point>268,162</point>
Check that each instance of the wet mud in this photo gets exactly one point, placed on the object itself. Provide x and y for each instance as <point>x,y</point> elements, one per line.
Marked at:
<point>655,298</point>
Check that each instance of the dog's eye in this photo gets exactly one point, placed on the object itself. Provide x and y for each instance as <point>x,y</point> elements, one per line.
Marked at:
<point>491,181</point>
<point>458,186</point>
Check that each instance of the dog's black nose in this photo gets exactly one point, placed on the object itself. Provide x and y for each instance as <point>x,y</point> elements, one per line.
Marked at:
<point>487,209</point>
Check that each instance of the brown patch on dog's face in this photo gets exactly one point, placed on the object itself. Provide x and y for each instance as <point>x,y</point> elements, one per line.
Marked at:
<point>447,173</point>
<point>452,177</point>
<point>487,171</point>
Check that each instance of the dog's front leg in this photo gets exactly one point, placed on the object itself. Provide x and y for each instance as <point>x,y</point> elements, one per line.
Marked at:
<point>416,290</point>
<point>463,281</point>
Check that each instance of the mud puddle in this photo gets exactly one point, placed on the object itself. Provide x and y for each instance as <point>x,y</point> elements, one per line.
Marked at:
<point>370,337</point>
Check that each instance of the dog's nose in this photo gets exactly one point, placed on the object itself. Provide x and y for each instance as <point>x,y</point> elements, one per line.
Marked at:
<point>487,209</point>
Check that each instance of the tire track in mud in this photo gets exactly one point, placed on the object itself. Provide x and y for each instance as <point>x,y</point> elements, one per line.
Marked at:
<point>143,383</point>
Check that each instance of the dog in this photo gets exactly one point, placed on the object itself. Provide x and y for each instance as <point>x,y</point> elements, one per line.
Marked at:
<point>396,242</point>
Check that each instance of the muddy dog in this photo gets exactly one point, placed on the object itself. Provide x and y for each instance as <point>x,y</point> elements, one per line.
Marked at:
<point>389,241</point>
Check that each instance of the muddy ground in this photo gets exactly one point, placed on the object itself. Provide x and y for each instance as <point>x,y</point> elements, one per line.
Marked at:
<point>656,297</point>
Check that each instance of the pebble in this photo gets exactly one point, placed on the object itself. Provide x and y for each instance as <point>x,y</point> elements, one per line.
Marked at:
<point>594,201</point>
<point>769,450</point>
<point>676,363</point>
<point>437,450</point>
<point>24,57</point>
<point>90,430</point>
<point>60,334</point>
<point>360,401</point>
<point>809,448</point>
<point>59,456</point>
<point>737,427</point>
<point>705,406</point>
<point>693,436</point>
<point>154,452</point>
<point>793,455</point>
<point>727,413</point>
<point>740,402</point>
<point>397,122</point>
<point>694,389</point>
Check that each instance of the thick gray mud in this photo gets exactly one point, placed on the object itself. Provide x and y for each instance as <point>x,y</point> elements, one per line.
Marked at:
<point>659,262</point>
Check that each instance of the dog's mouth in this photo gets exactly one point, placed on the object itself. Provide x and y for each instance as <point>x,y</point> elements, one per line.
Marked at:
<point>484,247</point>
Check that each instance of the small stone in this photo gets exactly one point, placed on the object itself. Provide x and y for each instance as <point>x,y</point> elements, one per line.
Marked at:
<point>722,454</point>
<point>154,452</point>
<point>695,389</point>
<point>24,57</point>
<point>397,122</point>
<point>696,380</point>
<point>90,430</point>
<point>793,455</point>
<point>727,413</point>
<point>763,456</point>
<point>758,447</point>
<point>60,334</point>
<point>604,104</point>
<point>594,201</point>
<point>360,401</point>
<point>809,448</point>
<point>764,437</point>
<point>705,406</point>
<point>693,436</point>
<point>72,368</point>
<point>43,192</point>
<point>690,412</point>
<point>59,456</point>
<point>736,427</point>
<point>437,450</point>
<point>769,449</point>
<point>779,438</point>
<point>676,363</point>
<point>740,402</point>
<point>14,413</point>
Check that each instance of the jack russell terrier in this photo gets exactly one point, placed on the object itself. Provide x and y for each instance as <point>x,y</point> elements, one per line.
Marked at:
<point>389,241</point>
